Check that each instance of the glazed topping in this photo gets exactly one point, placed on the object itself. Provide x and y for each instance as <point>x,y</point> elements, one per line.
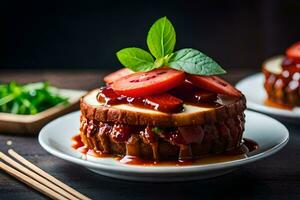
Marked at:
<point>163,102</point>
<point>171,102</point>
<point>192,94</point>
<point>164,89</point>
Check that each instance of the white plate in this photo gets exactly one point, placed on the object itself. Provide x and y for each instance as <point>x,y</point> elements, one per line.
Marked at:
<point>253,88</point>
<point>55,138</point>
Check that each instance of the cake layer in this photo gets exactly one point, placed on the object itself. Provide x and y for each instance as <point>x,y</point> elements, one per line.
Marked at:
<point>192,114</point>
<point>168,144</point>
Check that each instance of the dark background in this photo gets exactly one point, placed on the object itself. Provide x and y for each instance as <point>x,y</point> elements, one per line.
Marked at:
<point>86,34</point>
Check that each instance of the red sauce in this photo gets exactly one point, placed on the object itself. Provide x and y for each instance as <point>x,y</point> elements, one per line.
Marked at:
<point>236,154</point>
<point>77,143</point>
<point>79,146</point>
<point>171,102</point>
<point>164,102</point>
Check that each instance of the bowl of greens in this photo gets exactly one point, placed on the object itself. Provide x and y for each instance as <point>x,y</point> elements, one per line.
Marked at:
<point>25,108</point>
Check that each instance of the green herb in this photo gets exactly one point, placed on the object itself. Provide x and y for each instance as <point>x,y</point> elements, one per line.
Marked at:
<point>136,59</point>
<point>193,61</point>
<point>161,41</point>
<point>28,99</point>
<point>161,38</point>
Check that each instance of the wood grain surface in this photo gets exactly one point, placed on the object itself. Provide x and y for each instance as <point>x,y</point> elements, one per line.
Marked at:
<point>276,177</point>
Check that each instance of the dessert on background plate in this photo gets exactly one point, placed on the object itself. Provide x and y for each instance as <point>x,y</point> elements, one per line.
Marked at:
<point>282,78</point>
<point>276,91</point>
<point>163,106</point>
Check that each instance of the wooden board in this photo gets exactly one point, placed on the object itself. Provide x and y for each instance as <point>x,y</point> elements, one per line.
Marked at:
<point>31,124</point>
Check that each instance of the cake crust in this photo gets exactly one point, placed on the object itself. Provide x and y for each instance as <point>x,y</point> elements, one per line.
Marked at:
<point>192,114</point>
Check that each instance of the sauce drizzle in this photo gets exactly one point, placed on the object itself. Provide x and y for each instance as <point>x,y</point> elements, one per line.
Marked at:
<point>171,102</point>
<point>79,146</point>
<point>236,154</point>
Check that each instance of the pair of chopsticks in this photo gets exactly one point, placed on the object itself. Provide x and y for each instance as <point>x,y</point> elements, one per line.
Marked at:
<point>36,178</point>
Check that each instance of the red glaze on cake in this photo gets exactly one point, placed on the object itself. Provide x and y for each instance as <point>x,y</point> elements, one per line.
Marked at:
<point>282,78</point>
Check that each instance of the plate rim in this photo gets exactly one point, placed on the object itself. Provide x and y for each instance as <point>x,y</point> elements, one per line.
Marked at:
<point>260,107</point>
<point>164,169</point>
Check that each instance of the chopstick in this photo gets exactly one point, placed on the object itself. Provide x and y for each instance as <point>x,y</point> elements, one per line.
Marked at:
<point>30,182</point>
<point>44,178</point>
<point>46,175</point>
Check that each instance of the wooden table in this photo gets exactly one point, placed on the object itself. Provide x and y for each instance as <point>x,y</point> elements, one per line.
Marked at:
<point>276,177</point>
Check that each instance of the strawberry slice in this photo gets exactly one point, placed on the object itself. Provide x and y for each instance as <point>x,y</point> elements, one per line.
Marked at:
<point>214,84</point>
<point>293,52</point>
<point>154,82</point>
<point>164,102</point>
<point>110,78</point>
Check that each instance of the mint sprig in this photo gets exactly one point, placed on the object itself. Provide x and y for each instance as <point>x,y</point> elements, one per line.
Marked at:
<point>161,41</point>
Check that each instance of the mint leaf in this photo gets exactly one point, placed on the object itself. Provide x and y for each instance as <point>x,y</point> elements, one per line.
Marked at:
<point>161,38</point>
<point>136,59</point>
<point>193,61</point>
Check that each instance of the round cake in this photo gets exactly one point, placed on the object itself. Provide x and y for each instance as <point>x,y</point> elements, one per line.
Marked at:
<point>128,130</point>
<point>282,78</point>
<point>164,105</point>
